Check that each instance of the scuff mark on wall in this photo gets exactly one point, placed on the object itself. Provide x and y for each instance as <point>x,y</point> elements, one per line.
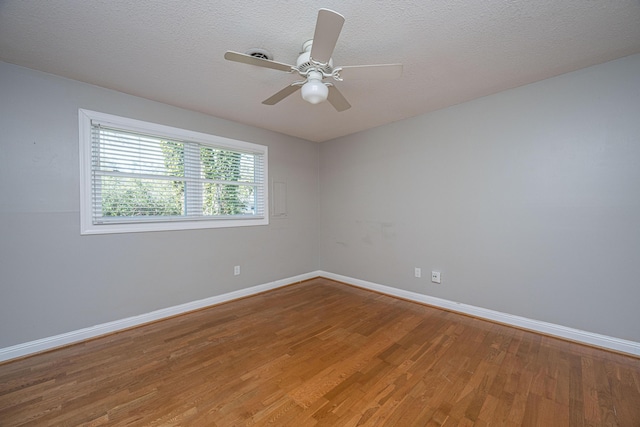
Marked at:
<point>375,232</point>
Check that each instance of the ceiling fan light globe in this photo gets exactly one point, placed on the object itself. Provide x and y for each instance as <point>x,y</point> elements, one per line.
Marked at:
<point>314,92</point>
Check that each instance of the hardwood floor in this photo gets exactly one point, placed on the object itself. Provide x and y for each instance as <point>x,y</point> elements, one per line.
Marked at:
<point>322,353</point>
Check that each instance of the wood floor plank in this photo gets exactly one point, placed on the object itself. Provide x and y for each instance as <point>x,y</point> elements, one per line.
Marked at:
<point>321,353</point>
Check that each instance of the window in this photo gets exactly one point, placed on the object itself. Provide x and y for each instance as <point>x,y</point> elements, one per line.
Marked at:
<point>139,176</point>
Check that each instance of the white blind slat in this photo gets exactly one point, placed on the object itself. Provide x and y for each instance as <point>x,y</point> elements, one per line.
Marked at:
<point>141,177</point>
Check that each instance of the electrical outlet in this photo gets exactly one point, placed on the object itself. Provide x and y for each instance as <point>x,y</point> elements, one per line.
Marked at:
<point>417,272</point>
<point>236,270</point>
<point>435,276</point>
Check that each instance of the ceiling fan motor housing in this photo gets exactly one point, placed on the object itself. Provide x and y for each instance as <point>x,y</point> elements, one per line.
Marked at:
<point>305,64</point>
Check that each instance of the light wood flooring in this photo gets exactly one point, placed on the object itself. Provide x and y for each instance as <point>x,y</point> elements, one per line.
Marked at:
<point>321,353</point>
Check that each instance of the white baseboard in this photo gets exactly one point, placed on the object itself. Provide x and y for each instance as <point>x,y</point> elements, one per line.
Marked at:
<point>49,343</point>
<point>616,344</point>
<point>603,341</point>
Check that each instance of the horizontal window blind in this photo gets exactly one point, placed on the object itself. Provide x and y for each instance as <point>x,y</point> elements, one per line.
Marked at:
<point>138,177</point>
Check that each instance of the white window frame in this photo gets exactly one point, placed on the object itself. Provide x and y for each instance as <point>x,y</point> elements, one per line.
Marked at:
<point>87,117</point>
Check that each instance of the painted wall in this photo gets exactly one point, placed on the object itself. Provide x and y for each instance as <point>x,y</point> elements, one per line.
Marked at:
<point>53,280</point>
<point>527,201</point>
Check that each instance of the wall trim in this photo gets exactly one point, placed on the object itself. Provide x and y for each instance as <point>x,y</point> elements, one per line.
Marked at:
<point>49,343</point>
<point>577,335</point>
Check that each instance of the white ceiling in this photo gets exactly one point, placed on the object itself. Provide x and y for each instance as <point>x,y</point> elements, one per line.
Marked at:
<point>452,50</point>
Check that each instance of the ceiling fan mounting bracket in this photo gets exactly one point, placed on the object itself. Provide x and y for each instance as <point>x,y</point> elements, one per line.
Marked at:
<point>335,74</point>
<point>311,68</point>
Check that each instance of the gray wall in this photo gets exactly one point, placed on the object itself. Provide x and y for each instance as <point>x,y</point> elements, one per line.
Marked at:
<point>53,280</point>
<point>527,201</point>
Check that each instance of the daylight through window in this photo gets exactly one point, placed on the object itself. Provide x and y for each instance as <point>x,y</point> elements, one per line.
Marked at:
<point>142,177</point>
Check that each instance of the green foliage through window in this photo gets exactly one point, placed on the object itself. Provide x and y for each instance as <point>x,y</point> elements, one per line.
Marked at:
<point>138,176</point>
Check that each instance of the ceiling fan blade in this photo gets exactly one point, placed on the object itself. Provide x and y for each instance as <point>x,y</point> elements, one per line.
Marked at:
<point>336,99</point>
<point>279,96</point>
<point>382,71</point>
<point>328,27</point>
<point>252,60</point>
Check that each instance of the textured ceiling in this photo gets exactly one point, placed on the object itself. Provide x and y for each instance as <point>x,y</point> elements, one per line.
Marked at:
<point>453,51</point>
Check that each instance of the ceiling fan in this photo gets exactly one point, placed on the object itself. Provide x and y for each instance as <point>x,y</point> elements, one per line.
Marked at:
<point>314,64</point>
